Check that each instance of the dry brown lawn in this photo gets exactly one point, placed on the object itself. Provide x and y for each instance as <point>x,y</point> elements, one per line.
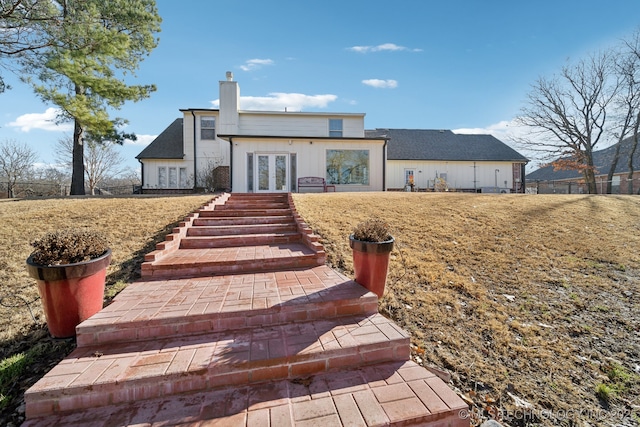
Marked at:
<point>132,226</point>
<point>519,297</point>
<point>535,297</point>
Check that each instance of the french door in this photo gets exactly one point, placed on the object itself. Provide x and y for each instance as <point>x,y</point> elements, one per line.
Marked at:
<point>273,171</point>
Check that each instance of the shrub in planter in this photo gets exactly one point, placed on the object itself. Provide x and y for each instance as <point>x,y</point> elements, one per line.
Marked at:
<point>70,268</point>
<point>372,244</point>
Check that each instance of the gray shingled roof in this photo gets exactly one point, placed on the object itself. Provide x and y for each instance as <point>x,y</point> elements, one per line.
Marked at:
<point>601,159</point>
<point>168,145</point>
<point>427,144</point>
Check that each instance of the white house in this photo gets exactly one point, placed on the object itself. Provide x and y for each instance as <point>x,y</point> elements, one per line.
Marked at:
<point>261,151</point>
<point>443,159</point>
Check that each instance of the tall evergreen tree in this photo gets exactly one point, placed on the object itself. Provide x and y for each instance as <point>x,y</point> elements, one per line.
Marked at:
<point>98,45</point>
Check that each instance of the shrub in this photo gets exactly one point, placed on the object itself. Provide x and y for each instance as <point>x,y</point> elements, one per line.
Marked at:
<point>68,247</point>
<point>372,230</point>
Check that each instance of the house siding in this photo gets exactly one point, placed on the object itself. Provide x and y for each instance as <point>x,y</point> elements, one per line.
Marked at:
<point>293,124</point>
<point>210,153</point>
<point>459,175</point>
<point>151,171</point>
<point>217,149</point>
<point>311,159</point>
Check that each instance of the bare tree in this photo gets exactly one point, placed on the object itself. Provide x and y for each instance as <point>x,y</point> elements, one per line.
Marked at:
<point>130,176</point>
<point>101,160</point>
<point>16,160</point>
<point>567,114</point>
<point>126,182</point>
<point>626,105</point>
<point>631,52</point>
<point>53,175</point>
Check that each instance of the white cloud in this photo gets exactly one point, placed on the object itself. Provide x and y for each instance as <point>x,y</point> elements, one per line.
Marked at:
<point>506,131</point>
<point>278,101</point>
<point>383,84</point>
<point>255,64</point>
<point>142,140</point>
<point>42,121</point>
<point>388,47</point>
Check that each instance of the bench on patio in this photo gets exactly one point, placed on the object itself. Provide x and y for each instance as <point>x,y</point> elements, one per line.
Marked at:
<point>314,182</point>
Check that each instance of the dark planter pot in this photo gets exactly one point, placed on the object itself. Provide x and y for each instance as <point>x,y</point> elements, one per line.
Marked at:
<point>70,293</point>
<point>370,262</point>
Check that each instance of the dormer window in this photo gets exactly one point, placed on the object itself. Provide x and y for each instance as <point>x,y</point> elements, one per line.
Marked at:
<point>207,127</point>
<point>335,128</point>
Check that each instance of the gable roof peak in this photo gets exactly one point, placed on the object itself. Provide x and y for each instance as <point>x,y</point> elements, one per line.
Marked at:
<point>168,145</point>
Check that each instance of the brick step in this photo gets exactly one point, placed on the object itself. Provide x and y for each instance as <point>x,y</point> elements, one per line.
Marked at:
<point>229,230</point>
<point>244,213</point>
<point>234,200</point>
<point>241,259</point>
<point>95,376</point>
<point>269,196</point>
<point>203,242</point>
<point>169,308</point>
<point>249,220</point>
<point>392,393</point>
<point>231,205</point>
<point>205,268</point>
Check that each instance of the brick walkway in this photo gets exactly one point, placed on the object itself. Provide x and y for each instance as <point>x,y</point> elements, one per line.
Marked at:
<point>226,328</point>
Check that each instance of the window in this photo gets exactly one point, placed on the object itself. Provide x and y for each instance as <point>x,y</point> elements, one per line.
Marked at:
<point>173,177</point>
<point>348,167</point>
<point>281,172</point>
<point>408,176</point>
<point>183,178</point>
<point>207,127</point>
<point>294,173</point>
<point>335,128</point>
<point>162,177</point>
<point>250,172</point>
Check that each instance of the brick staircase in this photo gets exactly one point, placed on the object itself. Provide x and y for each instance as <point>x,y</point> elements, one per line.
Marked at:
<point>237,321</point>
<point>245,234</point>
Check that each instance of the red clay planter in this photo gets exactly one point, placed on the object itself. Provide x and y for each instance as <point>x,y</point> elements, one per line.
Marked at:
<point>370,262</point>
<point>70,293</point>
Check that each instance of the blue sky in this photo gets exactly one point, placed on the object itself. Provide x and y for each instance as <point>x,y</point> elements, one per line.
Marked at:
<point>459,64</point>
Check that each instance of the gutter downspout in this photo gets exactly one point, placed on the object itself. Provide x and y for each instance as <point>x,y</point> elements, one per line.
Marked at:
<point>141,174</point>
<point>195,156</point>
<point>231,164</point>
<point>384,165</point>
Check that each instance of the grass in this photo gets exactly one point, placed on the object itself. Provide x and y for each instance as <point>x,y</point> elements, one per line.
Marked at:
<point>504,290</point>
<point>17,366</point>
<point>532,296</point>
<point>620,381</point>
<point>132,225</point>
<point>604,392</point>
<point>11,369</point>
